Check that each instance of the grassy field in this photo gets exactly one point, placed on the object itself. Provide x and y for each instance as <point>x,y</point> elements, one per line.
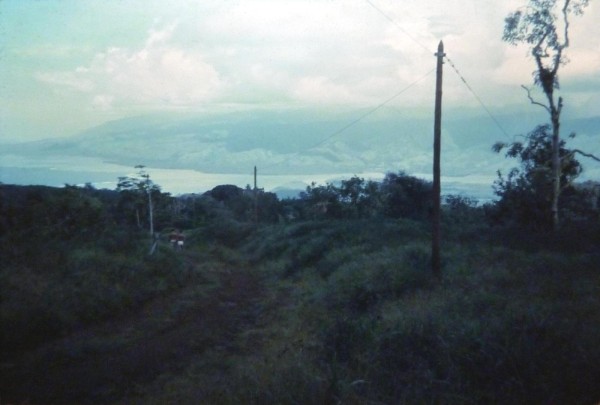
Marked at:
<point>307,312</point>
<point>350,314</point>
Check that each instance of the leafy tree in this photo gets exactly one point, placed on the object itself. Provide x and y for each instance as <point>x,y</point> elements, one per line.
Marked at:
<point>352,190</point>
<point>372,203</point>
<point>226,193</point>
<point>322,200</point>
<point>546,31</point>
<point>79,212</point>
<point>234,199</point>
<point>187,211</point>
<point>241,203</point>
<point>269,207</point>
<point>458,202</point>
<point>525,194</point>
<point>362,199</point>
<point>406,196</point>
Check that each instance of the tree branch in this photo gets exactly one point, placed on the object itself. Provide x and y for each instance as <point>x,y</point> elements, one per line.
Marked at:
<point>533,101</point>
<point>559,47</point>
<point>565,12</point>
<point>560,105</point>
<point>589,155</point>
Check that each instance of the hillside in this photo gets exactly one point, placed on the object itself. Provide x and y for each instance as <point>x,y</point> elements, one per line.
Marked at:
<point>193,153</point>
<point>111,359</point>
<point>299,142</point>
<point>304,307</point>
<point>313,312</point>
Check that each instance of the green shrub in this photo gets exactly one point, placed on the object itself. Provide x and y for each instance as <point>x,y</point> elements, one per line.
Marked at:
<point>360,284</point>
<point>91,285</point>
<point>228,231</point>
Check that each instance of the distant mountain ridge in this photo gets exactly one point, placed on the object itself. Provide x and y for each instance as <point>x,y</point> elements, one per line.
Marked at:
<point>291,142</point>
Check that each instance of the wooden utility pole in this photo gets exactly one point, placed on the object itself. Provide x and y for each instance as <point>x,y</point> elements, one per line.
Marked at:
<point>437,142</point>
<point>151,211</point>
<point>255,198</point>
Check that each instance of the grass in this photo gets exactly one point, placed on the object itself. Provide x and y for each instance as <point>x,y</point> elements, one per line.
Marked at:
<point>348,312</point>
<point>83,286</point>
<point>353,316</point>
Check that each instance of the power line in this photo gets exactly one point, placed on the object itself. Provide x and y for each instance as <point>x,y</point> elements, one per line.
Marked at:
<point>362,117</point>
<point>365,115</point>
<point>390,19</point>
<point>478,98</point>
<point>356,121</point>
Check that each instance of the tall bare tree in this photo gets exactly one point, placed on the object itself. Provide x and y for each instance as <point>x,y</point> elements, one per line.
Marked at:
<point>544,26</point>
<point>141,184</point>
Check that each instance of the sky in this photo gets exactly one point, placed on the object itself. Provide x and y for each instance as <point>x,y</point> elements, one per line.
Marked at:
<point>68,65</point>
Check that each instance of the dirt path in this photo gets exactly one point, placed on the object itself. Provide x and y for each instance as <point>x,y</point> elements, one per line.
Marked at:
<point>104,363</point>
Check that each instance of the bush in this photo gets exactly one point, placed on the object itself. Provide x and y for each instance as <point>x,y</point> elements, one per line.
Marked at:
<point>90,285</point>
<point>363,284</point>
<point>406,196</point>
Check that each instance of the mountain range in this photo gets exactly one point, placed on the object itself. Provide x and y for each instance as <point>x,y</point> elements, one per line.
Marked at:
<point>304,142</point>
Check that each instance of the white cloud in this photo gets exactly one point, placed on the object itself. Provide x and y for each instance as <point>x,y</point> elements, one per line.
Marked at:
<point>321,90</point>
<point>582,62</point>
<point>50,51</point>
<point>266,52</point>
<point>103,102</point>
<point>70,80</point>
<point>288,21</point>
<point>157,74</point>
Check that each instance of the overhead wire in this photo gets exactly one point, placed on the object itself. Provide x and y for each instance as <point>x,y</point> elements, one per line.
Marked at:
<point>416,41</point>
<point>373,110</point>
<point>359,119</point>
<point>481,103</point>
<point>390,19</point>
<point>479,100</point>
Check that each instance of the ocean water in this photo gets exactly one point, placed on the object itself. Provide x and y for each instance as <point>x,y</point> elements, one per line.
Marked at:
<point>56,171</point>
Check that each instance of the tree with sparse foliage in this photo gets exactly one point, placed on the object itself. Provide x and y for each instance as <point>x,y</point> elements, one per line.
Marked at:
<point>526,193</point>
<point>544,26</point>
<point>139,188</point>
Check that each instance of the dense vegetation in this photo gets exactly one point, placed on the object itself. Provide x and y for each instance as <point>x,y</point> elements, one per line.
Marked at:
<point>326,298</point>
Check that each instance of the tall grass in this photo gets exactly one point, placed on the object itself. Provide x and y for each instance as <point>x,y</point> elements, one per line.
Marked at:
<point>83,285</point>
<point>354,316</point>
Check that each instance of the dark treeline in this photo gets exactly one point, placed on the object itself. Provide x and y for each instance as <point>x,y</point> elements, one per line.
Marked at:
<point>48,231</point>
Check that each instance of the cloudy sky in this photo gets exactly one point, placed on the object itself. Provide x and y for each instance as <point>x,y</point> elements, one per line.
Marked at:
<point>67,65</point>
